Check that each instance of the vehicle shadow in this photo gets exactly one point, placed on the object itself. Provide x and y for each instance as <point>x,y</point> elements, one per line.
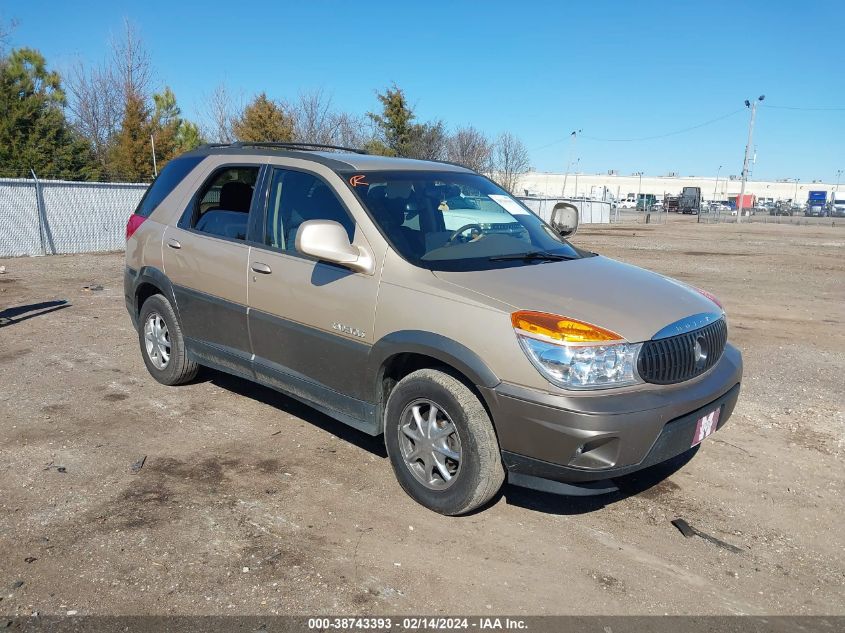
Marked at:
<point>629,486</point>
<point>265,395</point>
<point>16,314</point>
<point>548,503</point>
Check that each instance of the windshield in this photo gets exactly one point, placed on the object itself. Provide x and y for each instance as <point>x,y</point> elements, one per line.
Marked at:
<point>456,221</point>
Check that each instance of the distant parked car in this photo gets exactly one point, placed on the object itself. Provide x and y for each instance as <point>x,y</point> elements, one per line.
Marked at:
<point>782,207</point>
<point>719,206</point>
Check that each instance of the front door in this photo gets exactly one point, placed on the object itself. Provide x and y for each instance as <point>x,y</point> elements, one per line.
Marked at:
<point>206,259</point>
<point>311,323</point>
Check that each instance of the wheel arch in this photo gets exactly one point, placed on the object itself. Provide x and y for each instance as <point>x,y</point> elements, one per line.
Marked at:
<point>151,281</point>
<point>401,353</point>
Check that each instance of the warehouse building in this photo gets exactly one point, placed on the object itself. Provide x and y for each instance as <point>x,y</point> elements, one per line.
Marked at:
<point>615,186</point>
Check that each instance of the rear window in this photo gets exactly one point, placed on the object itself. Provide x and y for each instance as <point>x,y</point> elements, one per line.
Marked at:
<point>170,176</point>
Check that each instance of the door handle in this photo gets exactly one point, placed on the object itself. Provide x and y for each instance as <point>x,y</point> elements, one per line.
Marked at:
<point>264,269</point>
<point>174,244</point>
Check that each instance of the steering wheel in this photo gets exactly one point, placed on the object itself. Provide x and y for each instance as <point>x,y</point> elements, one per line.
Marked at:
<point>455,235</point>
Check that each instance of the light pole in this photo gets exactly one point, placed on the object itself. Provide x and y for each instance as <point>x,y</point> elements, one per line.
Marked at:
<point>753,107</point>
<point>795,195</point>
<point>577,163</point>
<point>838,174</point>
<point>639,189</point>
<point>574,137</point>
<point>716,186</point>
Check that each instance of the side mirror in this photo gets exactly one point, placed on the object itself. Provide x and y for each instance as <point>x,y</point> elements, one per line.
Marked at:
<point>565,218</point>
<point>327,240</point>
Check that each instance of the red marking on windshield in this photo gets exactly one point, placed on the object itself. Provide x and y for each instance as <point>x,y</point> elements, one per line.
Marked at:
<point>357,180</point>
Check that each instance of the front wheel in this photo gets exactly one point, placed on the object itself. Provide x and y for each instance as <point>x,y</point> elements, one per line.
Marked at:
<point>441,443</point>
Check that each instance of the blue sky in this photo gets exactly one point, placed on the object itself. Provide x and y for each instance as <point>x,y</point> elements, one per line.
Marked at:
<point>539,69</point>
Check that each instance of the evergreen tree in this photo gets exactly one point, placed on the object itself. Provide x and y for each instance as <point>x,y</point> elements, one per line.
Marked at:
<point>34,134</point>
<point>132,158</point>
<point>263,120</point>
<point>399,135</point>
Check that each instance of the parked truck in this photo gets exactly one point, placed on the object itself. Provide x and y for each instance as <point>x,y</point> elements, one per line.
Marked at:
<point>817,203</point>
<point>837,204</point>
<point>690,201</point>
<point>671,203</point>
<point>747,204</point>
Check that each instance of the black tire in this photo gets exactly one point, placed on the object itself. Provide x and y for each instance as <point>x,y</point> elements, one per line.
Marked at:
<point>480,474</point>
<point>179,369</point>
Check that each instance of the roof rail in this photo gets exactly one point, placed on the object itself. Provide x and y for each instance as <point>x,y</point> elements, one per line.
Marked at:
<point>292,145</point>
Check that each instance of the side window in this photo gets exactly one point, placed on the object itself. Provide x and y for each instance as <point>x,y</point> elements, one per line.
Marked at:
<point>170,176</point>
<point>222,208</point>
<point>296,197</point>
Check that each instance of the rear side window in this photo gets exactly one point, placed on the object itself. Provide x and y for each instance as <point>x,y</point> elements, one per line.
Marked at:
<point>223,204</point>
<point>170,176</point>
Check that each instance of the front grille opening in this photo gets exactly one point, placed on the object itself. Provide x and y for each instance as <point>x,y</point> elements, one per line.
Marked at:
<point>677,358</point>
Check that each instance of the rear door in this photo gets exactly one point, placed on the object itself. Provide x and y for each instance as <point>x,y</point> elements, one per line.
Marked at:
<point>311,322</point>
<point>206,258</point>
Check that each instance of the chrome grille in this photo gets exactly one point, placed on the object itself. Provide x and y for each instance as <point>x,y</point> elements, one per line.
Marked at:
<point>677,358</point>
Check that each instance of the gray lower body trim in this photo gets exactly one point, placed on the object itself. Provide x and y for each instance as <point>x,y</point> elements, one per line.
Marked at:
<point>601,431</point>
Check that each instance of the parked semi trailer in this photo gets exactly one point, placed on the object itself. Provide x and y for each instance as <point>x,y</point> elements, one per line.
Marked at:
<point>690,201</point>
<point>837,204</point>
<point>817,203</point>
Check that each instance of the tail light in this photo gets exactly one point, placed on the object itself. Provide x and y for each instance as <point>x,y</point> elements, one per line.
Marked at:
<point>132,225</point>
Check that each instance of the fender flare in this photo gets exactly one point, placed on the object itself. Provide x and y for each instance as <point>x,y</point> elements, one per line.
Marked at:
<point>155,277</point>
<point>435,346</point>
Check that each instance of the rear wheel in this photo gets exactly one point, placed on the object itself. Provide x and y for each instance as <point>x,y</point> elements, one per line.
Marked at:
<point>441,443</point>
<point>162,343</point>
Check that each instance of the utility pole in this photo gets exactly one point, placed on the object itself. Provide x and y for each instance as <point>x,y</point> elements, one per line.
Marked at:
<point>753,106</point>
<point>573,137</point>
<point>155,168</point>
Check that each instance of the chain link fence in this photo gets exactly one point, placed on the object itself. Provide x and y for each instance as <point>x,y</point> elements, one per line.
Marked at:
<point>49,217</point>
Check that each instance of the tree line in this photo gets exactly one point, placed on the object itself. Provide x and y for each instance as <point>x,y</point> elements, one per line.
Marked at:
<point>105,122</point>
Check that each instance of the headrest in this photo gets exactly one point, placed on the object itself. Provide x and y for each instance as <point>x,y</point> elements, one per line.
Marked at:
<point>400,189</point>
<point>235,196</point>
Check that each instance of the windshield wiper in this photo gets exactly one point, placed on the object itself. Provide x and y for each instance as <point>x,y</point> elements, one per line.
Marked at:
<point>531,256</point>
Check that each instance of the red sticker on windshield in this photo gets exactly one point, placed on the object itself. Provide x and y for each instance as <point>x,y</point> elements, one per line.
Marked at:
<point>357,180</point>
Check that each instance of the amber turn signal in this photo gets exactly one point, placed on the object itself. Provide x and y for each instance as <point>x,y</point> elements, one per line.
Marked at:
<point>561,328</point>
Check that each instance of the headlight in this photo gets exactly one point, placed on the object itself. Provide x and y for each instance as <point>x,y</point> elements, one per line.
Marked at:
<point>576,355</point>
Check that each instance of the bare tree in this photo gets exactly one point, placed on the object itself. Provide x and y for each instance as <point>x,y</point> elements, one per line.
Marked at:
<point>470,148</point>
<point>131,63</point>
<point>510,161</point>
<point>96,105</point>
<point>427,141</point>
<point>6,29</point>
<point>220,111</point>
<point>314,120</point>
<point>353,130</point>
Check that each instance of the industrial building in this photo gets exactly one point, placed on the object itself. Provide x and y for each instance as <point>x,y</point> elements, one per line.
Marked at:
<point>618,187</point>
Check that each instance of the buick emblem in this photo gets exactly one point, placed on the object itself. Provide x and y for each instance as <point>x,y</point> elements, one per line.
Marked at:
<point>700,352</point>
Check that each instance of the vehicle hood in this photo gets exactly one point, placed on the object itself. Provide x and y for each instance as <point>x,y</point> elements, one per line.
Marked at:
<point>631,301</point>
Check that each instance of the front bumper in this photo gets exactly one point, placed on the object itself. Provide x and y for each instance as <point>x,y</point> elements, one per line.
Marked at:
<point>588,438</point>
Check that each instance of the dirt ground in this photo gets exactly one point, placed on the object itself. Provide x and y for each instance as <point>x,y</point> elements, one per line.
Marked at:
<point>250,503</point>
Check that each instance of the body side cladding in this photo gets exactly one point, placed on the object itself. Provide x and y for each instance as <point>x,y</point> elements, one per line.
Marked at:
<point>355,413</point>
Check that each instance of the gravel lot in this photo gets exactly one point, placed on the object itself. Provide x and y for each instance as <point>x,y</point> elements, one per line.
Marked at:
<point>250,503</point>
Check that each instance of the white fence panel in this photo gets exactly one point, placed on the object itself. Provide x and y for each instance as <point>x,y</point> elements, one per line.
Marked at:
<point>75,217</point>
<point>18,219</point>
